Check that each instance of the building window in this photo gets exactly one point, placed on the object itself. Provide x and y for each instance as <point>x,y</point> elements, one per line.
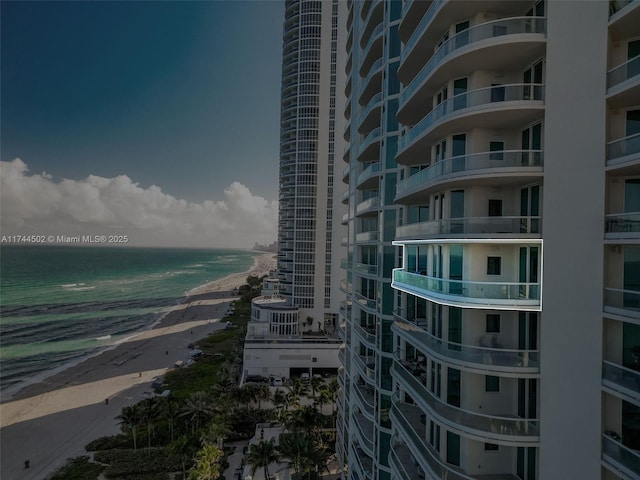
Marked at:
<point>491,447</point>
<point>491,383</point>
<point>495,208</point>
<point>493,323</point>
<point>494,265</point>
<point>496,150</point>
<point>314,359</point>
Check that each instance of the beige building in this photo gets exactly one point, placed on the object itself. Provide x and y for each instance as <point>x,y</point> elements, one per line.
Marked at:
<point>491,319</point>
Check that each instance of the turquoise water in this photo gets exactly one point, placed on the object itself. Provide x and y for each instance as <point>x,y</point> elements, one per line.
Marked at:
<point>59,304</point>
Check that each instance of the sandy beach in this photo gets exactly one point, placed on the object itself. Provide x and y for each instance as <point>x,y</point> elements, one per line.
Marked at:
<point>51,421</point>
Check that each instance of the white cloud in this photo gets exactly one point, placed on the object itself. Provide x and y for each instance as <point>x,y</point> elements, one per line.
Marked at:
<point>36,204</point>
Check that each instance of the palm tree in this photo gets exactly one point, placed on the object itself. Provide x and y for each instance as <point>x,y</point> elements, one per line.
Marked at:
<point>182,449</point>
<point>217,431</point>
<point>262,393</point>
<point>262,455</point>
<point>333,389</point>
<point>169,411</point>
<point>298,387</point>
<point>315,383</point>
<point>305,418</point>
<point>129,419</point>
<point>297,447</point>
<point>323,398</point>
<point>149,412</point>
<point>207,464</point>
<point>198,409</point>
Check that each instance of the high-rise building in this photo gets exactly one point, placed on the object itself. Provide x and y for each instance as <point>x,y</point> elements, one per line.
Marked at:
<point>311,111</point>
<point>491,319</point>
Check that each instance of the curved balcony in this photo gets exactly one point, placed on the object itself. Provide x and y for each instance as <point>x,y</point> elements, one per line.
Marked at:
<point>366,395</point>
<point>372,83</point>
<point>418,33</point>
<point>467,294</point>
<point>490,46</point>
<point>345,200</point>
<point>366,269</point>
<point>624,18</point>
<point>368,207</point>
<point>471,167</point>
<point>624,304</point>
<point>480,227</point>
<point>365,427</point>
<point>364,461</point>
<point>368,338</point>
<point>365,301</point>
<point>495,107</point>
<point>366,372</point>
<point>345,218</point>
<point>482,360</point>
<point>346,154</point>
<point>371,14</point>
<point>345,175</point>
<point>471,424</point>
<point>621,460</point>
<point>403,464</point>
<point>370,147</point>
<point>624,153</point>
<point>368,178</point>
<point>621,381</point>
<point>623,84</point>
<point>367,237</point>
<point>412,12</point>
<point>408,420</point>
<point>342,356</point>
<point>620,226</point>
<point>368,118</point>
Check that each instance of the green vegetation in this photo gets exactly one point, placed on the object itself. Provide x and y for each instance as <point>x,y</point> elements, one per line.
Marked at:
<point>181,434</point>
<point>79,469</point>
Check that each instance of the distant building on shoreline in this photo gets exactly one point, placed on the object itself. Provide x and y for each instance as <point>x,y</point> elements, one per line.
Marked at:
<point>270,248</point>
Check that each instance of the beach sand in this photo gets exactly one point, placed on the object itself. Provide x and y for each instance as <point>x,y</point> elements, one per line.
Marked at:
<point>51,421</point>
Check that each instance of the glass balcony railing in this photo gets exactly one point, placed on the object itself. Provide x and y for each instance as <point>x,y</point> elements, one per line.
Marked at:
<point>372,38</point>
<point>624,146</point>
<point>366,394</point>
<point>367,335</point>
<point>421,28</point>
<point>373,103</point>
<point>344,264</point>
<point>623,223</point>
<point>367,366</point>
<point>341,356</point>
<point>622,73</point>
<point>622,302</point>
<point>345,172</point>
<point>371,236</point>
<point>617,5</point>
<point>622,379</point>
<point>407,419</point>
<point>465,165</point>
<point>488,97</point>
<point>365,301</point>
<point>371,171</point>
<point>375,68</point>
<point>487,358</point>
<point>366,429</point>
<point>464,420</point>
<point>366,268</point>
<point>495,294</point>
<point>620,457</point>
<point>485,31</point>
<point>403,463</point>
<point>373,136</point>
<point>467,226</point>
<point>368,204</point>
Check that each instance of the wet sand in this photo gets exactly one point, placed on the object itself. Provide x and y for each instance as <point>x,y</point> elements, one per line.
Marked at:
<point>53,420</point>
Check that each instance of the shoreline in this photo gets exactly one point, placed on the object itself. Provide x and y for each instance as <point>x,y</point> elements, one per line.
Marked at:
<point>52,420</point>
<point>15,392</point>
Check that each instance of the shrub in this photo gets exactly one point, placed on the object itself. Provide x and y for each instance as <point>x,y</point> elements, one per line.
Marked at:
<point>108,443</point>
<point>79,468</point>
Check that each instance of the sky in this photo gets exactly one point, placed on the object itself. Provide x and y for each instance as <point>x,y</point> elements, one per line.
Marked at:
<point>155,119</point>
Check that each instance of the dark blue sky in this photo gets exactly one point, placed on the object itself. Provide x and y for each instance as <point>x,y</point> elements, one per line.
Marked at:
<point>183,95</point>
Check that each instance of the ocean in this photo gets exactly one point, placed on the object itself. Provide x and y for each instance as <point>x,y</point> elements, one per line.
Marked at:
<point>60,304</point>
